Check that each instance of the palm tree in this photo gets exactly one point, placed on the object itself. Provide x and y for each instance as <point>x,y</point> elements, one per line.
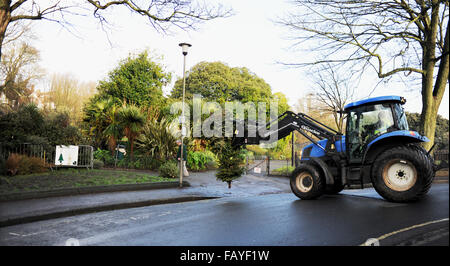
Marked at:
<point>131,120</point>
<point>94,120</point>
<point>113,130</point>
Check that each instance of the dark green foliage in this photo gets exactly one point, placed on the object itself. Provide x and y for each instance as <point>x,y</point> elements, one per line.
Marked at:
<point>104,156</point>
<point>95,119</point>
<point>58,130</point>
<point>169,169</point>
<point>131,121</point>
<point>18,125</point>
<point>30,125</point>
<point>157,140</point>
<point>200,160</point>
<point>137,80</point>
<point>218,82</point>
<point>98,164</point>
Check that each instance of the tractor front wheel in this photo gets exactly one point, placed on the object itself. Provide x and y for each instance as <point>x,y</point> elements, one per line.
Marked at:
<point>306,182</point>
<point>402,174</point>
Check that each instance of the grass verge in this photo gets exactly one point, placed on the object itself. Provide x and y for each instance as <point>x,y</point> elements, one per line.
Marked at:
<point>74,178</point>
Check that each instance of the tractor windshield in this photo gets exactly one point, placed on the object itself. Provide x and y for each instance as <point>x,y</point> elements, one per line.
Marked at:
<point>401,117</point>
<point>365,123</point>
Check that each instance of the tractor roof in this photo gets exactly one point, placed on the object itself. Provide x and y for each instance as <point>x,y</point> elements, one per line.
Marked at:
<point>375,100</point>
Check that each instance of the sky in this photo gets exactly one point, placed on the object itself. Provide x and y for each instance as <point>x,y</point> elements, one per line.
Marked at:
<point>248,39</point>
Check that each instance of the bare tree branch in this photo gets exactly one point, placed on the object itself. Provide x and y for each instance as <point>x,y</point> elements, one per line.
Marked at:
<point>162,14</point>
<point>389,36</point>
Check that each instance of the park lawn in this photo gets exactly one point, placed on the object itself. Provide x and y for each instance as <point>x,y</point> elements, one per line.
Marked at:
<point>74,178</point>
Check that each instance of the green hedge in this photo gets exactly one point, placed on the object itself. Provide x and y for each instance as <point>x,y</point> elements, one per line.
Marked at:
<point>201,160</point>
<point>169,169</point>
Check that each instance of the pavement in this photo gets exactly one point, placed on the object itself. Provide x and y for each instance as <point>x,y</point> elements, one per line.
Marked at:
<point>200,186</point>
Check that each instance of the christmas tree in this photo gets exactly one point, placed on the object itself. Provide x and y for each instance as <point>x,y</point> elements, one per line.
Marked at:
<point>230,160</point>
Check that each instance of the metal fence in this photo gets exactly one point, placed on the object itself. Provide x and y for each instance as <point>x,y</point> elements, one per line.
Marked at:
<point>441,158</point>
<point>47,153</point>
<point>85,156</point>
<point>263,165</point>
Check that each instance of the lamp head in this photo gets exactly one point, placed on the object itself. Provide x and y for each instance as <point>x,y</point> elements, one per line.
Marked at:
<point>184,47</point>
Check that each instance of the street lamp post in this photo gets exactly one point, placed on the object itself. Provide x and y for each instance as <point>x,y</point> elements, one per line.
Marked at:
<point>184,47</point>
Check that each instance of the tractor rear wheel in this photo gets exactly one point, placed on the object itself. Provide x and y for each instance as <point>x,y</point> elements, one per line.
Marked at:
<point>306,182</point>
<point>402,174</point>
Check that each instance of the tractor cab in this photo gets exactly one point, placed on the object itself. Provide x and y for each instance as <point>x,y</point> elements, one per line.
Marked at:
<point>368,119</point>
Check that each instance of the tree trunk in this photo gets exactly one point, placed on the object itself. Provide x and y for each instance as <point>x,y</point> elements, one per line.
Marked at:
<point>229,184</point>
<point>112,144</point>
<point>432,93</point>
<point>5,18</point>
<point>131,139</point>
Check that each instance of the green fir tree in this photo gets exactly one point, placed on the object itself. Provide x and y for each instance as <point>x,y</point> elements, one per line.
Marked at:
<point>230,160</point>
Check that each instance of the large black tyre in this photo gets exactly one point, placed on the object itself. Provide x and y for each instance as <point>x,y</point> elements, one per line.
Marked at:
<point>306,182</point>
<point>334,189</point>
<point>402,174</point>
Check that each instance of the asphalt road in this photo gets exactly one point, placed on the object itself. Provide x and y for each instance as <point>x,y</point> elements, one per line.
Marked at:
<point>275,220</point>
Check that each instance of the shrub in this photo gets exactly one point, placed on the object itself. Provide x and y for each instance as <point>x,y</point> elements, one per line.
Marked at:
<point>98,164</point>
<point>199,160</point>
<point>169,169</point>
<point>147,162</point>
<point>12,164</point>
<point>157,140</point>
<point>37,165</point>
<point>31,165</point>
<point>123,163</point>
<point>105,156</point>
<point>24,165</point>
<point>212,165</point>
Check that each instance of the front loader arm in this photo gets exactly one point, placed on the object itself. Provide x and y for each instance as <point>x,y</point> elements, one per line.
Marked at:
<point>284,125</point>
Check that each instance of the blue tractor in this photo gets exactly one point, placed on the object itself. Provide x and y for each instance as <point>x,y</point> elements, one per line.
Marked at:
<point>378,149</point>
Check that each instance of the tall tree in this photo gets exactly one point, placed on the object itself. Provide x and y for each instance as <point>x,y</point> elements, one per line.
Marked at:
<point>131,120</point>
<point>95,120</point>
<point>68,94</point>
<point>137,80</point>
<point>18,73</point>
<point>389,36</point>
<point>218,82</point>
<point>162,14</point>
<point>113,130</point>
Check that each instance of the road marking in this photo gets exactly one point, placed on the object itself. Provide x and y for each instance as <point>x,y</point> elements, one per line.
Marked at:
<point>405,229</point>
